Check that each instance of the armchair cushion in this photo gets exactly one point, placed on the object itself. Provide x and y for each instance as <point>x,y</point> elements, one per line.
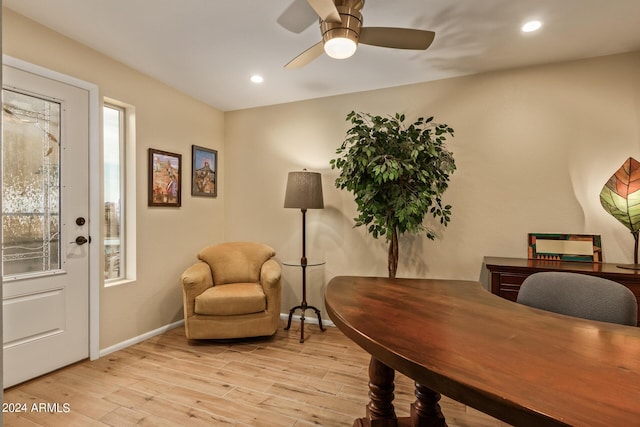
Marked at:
<point>231,299</point>
<point>236,263</point>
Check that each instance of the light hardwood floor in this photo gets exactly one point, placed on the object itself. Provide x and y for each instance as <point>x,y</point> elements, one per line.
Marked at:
<point>267,382</point>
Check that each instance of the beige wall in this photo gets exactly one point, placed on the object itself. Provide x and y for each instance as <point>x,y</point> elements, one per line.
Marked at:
<point>533,147</point>
<point>167,238</point>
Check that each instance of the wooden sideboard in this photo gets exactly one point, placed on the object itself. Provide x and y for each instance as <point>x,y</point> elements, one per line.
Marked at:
<point>507,274</point>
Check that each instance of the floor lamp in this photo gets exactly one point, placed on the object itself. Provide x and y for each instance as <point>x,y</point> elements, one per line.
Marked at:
<point>304,191</point>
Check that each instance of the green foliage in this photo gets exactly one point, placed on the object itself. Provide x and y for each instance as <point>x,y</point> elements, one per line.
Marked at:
<point>397,173</point>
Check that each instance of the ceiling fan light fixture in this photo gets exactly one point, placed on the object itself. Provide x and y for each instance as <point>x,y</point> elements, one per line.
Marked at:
<point>341,38</point>
<point>531,26</point>
<point>340,47</point>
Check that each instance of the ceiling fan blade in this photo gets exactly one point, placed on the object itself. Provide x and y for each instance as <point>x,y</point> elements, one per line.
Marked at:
<point>306,57</point>
<point>397,38</point>
<point>326,10</point>
<point>297,17</point>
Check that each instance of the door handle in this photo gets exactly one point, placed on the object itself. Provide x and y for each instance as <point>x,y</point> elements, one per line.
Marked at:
<point>81,240</point>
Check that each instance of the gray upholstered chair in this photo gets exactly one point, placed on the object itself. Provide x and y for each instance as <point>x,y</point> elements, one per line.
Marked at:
<point>233,291</point>
<point>580,295</point>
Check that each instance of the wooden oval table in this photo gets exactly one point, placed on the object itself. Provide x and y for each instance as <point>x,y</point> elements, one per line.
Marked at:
<point>525,366</point>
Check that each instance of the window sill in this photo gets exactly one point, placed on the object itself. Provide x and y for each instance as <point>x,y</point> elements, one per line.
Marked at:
<point>118,283</point>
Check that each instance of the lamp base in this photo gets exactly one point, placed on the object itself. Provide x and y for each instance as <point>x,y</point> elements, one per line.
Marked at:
<point>629,266</point>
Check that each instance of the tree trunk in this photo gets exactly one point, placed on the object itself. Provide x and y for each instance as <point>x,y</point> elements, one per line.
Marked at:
<point>393,254</point>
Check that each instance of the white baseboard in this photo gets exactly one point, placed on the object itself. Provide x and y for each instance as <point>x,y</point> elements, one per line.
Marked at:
<point>140,338</point>
<point>325,322</point>
<point>163,329</point>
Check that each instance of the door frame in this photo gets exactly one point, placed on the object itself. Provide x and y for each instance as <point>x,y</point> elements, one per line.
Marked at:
<point>94,190</point>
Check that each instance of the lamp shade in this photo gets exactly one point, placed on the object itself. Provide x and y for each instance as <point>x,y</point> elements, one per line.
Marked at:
<point>304,190</point>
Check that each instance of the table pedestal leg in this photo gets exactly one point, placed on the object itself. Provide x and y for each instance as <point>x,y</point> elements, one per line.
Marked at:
<point>381,388</point>
<point>380,410</point>
<point>425,411</point>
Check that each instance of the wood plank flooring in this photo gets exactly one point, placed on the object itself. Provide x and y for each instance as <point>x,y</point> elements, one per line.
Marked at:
<point>264,382</point>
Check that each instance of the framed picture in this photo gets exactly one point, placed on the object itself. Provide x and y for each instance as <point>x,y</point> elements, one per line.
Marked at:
<point>204,172</point>
<point>165,178</point>
<point>565,247</point>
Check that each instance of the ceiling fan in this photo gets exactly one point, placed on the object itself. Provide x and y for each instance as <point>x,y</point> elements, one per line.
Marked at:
<point>342,30</point>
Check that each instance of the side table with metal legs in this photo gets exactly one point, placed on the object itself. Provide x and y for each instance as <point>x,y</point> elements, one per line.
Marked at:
<point>303,307</point>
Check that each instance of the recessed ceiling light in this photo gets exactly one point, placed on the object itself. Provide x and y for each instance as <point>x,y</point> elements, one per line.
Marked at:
<point>256,78</point>
<point>531,26</point>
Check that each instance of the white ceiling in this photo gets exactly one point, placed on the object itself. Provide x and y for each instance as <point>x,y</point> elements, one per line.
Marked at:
<point>210,48</point>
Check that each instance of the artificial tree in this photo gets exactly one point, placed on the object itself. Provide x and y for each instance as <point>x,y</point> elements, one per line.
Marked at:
<point>397,173</point>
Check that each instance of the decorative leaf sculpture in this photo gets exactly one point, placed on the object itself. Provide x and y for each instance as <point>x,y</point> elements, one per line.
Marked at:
<point>621,195</point>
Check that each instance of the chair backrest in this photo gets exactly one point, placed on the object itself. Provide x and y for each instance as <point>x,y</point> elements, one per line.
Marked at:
<point>236,262</point>
<point>580,295</point>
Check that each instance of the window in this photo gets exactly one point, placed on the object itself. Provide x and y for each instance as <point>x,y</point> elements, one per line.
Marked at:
<point>119,192</point>
<point>114,193</point>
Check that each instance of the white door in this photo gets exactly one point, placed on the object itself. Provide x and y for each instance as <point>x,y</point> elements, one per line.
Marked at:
<point>45,258</point>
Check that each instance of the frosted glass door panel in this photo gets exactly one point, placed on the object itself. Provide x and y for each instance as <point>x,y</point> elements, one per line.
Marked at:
<point>31,184</point>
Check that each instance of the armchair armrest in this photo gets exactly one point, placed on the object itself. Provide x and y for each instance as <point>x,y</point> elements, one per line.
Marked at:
<point>194,281</point>
<point>270,274</point>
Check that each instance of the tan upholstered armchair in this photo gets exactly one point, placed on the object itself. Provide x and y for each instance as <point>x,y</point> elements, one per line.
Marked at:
<point>233,291</point>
